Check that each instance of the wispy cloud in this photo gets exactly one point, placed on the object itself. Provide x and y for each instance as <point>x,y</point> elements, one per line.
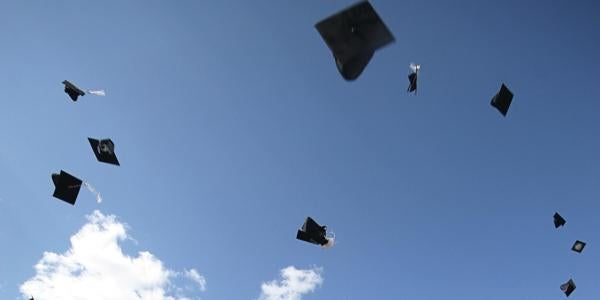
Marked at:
<point>194,276</point>
<point>95,268</point>
<point>293,285</point>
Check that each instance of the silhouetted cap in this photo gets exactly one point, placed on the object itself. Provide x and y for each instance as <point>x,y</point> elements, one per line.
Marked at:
<point>312,232</point>
<point>578,246</point>
<point>72,90</point>
<point>559,221</point>
<point>104,151</point>
<point>568,287</point>
<point>412,85</point>
<point>502,100</point>
<point>66,187</point>
<point>353,35</point>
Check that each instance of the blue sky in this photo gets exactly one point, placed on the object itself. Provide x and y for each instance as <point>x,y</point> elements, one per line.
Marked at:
<point>232,125</point>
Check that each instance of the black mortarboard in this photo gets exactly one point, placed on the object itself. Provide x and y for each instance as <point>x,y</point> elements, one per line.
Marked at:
<point>312,232</point>
<point>568,287</point>
<point>558,220</point>
<point>353,35</point>
<point>502,100</point>
<point>66,187</point>
<point>412,82</point>
<point>104,151</point>
<point>578,246</point>
<point>72,90</point>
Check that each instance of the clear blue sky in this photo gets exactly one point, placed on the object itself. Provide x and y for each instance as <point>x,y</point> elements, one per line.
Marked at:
<point>232,125</point>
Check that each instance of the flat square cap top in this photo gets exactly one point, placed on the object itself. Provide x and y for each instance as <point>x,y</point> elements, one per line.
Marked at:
<point>568,287</point>
<point>66,187</point>
<point>578,246</point>
<point>354,30</point>
<point>104,150</point>
<point>502,100</point>
<point>353,35</point>
<point>559,220</point>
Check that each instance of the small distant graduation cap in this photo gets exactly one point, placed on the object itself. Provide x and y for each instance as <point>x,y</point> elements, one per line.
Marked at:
<point>313,233</point>
<point>353,35</point>
<point>558,220</point>
<point>502,100</point>
<point>568,287</point>
<point>66,187</point>
<point>412,78</point>
<point>578,246</point>
<point>72,90</point>
<point>104,151</point>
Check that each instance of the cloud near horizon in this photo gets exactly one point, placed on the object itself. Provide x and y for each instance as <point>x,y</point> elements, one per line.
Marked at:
<point>293,285</point>
<point>95,268</point>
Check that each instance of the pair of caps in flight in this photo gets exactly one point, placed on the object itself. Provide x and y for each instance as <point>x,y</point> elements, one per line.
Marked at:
<point>67,186</point>
<point>559,221</point>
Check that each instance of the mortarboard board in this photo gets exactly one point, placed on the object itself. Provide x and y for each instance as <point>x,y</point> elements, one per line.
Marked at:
<point>578,246</point>
<point>353,35</point>
<point>104,151</point>
<point>558,220</point>
<point>66,187</point>
<point>501,101</point>
<point>312,232</point>
<point>568,287</point>
<point>72,90</point>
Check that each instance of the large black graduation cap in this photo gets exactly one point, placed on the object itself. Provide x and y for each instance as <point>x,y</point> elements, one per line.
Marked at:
<point>104,151</point>
<point>312,232</point>
<point>353,35</point>
<point>502,100</point>
<point>559,220</point>
<point>568,287</point>
<point>578,246</point>
<point>72,90</point>
<point>66,187</point>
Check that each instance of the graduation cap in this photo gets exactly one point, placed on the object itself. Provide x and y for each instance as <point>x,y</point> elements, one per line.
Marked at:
<point>104,151</point>
<point>502,100</point>
<point>412,78</point>
<point>558,220</point>
<point>568,287</point>
<point>66,187</point>
<point>72,90</point>
<point>578,246</point>
<point>353,35</point>
<point>313,233</point>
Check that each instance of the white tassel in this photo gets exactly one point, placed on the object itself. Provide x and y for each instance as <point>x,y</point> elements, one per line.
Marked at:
<point>97,92</point>
<point>93,191</point>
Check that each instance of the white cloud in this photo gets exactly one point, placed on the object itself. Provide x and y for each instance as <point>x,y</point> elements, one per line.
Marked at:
<point>194,276</point>
<point>294,284</point>
<point>95,268</point>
